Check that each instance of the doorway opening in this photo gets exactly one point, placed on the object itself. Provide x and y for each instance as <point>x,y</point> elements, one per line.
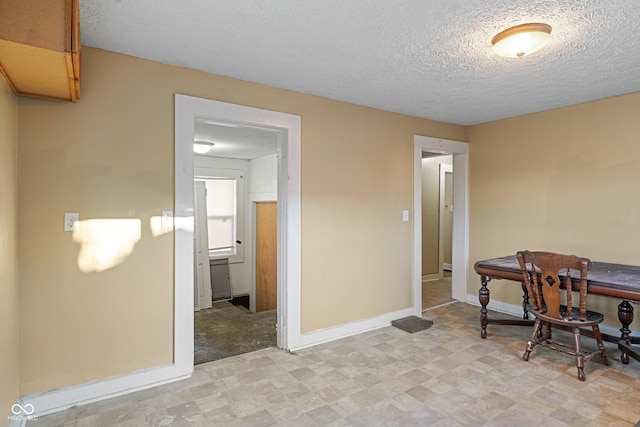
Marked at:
<point>437,222</point>
<point>235,243</point>
<point>286,127</point>
<point>436,148</point>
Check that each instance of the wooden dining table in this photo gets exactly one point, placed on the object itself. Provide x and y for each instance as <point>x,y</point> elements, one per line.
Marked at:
<point>611,280</point>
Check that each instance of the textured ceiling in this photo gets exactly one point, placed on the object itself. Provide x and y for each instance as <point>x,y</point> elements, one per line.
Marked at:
<point>236,141</point>
<point>425,58</point>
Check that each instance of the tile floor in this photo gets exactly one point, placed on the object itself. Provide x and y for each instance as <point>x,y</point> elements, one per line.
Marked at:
<point>443,376</point>
<point>436,292</point>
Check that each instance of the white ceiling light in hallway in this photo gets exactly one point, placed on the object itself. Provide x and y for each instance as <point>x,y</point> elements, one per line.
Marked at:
<point>202,147</point>
<point>521,40</point>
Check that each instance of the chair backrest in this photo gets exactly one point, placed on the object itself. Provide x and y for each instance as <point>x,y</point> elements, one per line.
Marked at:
<point>547,275</point>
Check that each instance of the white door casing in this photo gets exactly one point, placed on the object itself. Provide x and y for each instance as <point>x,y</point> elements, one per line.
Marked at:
<point>460,240</point>
<point>288,126</point>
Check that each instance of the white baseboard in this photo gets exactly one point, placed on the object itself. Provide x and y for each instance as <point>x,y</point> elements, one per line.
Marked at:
<point>352,328</point>
<point>51,401</point>
<point>60,399</point>
<point>499,306</point>
<point>18,421</point>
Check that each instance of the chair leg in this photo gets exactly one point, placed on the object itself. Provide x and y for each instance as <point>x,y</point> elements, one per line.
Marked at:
<point>579,355</point>
<point>533,340</point>
<point>598,337</point>
<point>548,331</point>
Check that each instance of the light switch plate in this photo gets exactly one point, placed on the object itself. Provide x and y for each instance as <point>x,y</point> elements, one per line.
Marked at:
<point>71,221</point>
<point>405,216</point>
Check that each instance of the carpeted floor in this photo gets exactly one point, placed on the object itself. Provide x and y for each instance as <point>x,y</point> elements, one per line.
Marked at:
<point>228,330</point>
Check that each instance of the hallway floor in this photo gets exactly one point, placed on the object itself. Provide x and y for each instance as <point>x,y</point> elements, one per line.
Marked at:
<point>436,292</point>
<point>227,330</point>
<point>443,376</point>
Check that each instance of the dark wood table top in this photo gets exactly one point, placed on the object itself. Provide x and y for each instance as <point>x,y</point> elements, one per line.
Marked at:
<point>613,280</point>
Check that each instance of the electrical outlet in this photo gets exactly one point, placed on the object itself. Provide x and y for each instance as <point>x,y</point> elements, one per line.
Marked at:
<point>71,220</point>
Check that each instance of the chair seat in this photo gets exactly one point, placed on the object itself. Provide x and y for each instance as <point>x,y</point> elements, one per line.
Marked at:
<point>592,317</point>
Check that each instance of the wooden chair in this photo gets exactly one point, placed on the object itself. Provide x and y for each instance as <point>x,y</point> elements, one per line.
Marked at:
<point>548,280</point>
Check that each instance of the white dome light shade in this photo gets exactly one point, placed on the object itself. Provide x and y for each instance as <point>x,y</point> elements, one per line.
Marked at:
<point>521,40</point>
<point>202,147</point>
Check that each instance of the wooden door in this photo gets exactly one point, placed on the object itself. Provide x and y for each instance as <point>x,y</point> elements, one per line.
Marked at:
<point>266,255</point>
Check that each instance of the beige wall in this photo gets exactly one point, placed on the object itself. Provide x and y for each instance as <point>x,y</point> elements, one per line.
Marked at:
<point>111,156</point>
<point>562,180</point>
<point>9,360</point>
<point>357,178</point>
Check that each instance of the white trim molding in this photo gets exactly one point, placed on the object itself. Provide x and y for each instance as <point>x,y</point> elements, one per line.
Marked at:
<point>460,240</point>
<point>352,328</point>
<point>51,401</point>
<point>288,127</point>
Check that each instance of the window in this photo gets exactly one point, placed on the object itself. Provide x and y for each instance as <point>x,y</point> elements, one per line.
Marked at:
<point>224,201</point>
<point>221,215</point>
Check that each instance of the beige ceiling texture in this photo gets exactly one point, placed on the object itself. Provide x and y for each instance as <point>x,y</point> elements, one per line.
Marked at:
<point>425,58</point>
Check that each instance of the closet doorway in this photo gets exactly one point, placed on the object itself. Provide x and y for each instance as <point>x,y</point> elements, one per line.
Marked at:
<point>426,147</point>
<point>437,225</point>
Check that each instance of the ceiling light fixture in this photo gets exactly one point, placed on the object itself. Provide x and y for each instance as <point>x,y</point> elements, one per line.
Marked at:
<point>202,147</point>
<point>521,40</point>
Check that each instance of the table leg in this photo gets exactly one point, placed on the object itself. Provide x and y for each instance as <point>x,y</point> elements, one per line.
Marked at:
<point>525,301</point>
<point>625,316</point>
<point>483,296</point>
